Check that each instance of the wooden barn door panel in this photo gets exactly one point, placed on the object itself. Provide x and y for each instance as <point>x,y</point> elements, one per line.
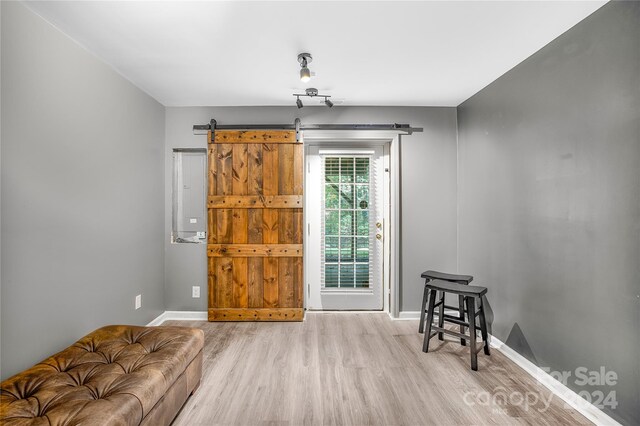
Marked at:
<point>255,226</point>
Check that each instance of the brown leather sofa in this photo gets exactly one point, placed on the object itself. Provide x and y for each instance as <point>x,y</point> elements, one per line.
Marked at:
<point>117,375</point>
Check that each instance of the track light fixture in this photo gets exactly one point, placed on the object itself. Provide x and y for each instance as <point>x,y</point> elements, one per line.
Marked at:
<point>312,92</point>
<point>305,73</point>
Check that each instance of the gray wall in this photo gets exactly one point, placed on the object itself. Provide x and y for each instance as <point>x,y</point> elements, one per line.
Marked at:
<point>82,193</point>
<point>549,201</point>
<point>428,170</point>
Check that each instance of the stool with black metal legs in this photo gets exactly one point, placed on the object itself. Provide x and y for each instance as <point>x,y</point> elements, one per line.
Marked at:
<point>469,294</point>
<point>435,275</point>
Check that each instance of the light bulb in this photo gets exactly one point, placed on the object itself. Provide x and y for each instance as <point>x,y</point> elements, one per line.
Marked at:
<point>305,74</point>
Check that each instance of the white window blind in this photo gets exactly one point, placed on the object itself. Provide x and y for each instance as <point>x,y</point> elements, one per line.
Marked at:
<point>348,225</point>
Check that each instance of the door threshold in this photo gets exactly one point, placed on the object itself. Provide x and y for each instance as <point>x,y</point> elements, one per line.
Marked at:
<point>341,311</point>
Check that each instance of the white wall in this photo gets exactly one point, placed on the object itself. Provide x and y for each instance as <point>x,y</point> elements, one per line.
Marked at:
<point>81,193</point>
<point>428,189</point>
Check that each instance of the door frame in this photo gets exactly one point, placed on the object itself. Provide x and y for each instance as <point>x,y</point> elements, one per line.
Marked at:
<point>391,157</point>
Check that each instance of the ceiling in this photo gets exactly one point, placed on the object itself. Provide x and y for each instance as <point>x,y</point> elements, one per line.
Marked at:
<point>232,53</point>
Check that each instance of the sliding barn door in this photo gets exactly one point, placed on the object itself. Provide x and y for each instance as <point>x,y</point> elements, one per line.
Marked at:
<point>255,226</point>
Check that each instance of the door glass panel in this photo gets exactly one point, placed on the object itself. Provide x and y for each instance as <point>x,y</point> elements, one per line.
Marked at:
<point>332,170</point>
<point>346,197</point>
<point>346,169</point>
<point>347,221</point>
<point>362,249</point>
<point>347,249</point>
<point>331,197</point>
<point>362,197</point>
<point>362,223</point>
<point>331,275</point>
<point>362,170</point>
<point>346,275</point>
<point>332,226</point>
<point>362,275</point>
<point>331,249</point>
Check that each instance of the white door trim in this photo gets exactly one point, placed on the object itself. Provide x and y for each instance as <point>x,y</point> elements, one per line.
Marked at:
<point>394,231</point>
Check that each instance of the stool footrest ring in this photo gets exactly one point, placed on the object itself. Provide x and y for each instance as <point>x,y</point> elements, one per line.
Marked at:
<point>451,332</point>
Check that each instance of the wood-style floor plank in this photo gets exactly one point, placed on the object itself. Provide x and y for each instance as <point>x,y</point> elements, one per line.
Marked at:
<point>353,369</point>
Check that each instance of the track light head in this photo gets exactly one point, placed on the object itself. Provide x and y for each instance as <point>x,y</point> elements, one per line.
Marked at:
<point>310,92</point>
<point>305,75</point>
<point>304,59</point>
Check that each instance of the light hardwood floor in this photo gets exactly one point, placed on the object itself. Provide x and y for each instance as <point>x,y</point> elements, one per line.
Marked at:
<point>356,369</point>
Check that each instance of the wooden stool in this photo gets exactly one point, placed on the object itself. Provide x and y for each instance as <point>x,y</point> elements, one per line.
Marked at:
<point>469,294</point>
<point>435,275</point>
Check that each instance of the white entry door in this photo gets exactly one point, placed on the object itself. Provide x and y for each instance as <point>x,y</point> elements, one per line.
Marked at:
<point>345,228</point>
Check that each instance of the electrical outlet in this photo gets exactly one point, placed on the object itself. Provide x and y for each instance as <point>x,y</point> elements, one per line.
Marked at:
<point>139,301</point>
<point>195,292</point>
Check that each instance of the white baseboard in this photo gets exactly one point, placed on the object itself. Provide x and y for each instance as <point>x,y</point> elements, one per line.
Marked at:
<point>408,315</point>
<point>179,316</point>
<point>572,399</point>
<point>415,315</point>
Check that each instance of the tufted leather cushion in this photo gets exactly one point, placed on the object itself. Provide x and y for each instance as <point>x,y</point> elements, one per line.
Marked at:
<point>114,376</point>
